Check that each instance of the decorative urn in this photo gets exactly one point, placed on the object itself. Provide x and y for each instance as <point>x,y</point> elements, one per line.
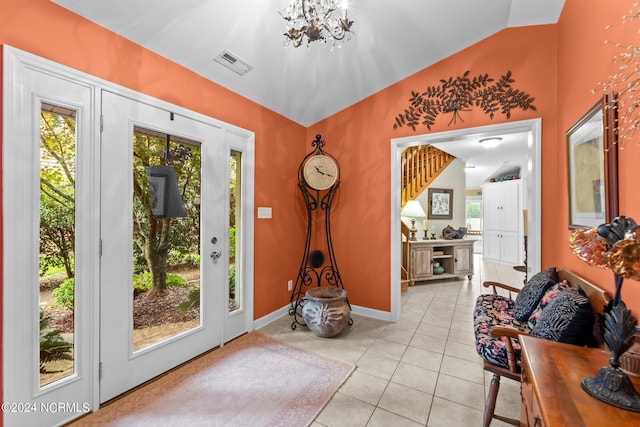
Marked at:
<point>326,311</point>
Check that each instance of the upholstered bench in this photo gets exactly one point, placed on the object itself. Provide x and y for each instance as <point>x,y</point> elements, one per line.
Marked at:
<point>555,305</point>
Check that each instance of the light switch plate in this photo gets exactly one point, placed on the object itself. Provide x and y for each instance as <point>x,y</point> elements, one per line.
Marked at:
<point>264,213</point>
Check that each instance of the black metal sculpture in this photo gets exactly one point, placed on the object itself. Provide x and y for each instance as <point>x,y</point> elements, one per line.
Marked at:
<point>317,199</point>
<point>455,95</point>
<point>615,246</point>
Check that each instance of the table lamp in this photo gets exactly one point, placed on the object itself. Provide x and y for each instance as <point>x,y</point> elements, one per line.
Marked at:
<point>413,209</point>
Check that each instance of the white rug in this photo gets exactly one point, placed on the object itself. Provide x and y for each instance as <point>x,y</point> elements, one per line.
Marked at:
<point>253,381</point>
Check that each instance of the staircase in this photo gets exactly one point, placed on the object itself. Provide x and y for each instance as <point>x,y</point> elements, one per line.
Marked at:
<point>420,166</point>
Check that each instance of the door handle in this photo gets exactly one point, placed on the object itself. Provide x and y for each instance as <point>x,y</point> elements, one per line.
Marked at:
<point>216,255</point>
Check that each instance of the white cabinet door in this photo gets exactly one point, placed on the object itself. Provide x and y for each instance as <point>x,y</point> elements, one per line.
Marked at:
<point>510,248</point>
<point>510,209</point>
<point>492,247</point>
<point>492,203</point>
<point>502,246</point>
<point>502,217</point>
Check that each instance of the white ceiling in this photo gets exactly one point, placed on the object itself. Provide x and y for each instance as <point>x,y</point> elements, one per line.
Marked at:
<point>482,163</point>
<point>393,40</point>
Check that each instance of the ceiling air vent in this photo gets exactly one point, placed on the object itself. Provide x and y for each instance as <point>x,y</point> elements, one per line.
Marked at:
<point>232,62</point>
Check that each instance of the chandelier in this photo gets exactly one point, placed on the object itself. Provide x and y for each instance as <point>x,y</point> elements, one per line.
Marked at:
<point>318,20</point>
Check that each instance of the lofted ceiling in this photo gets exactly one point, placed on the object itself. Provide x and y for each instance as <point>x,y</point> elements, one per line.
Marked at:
<point>392,40</point>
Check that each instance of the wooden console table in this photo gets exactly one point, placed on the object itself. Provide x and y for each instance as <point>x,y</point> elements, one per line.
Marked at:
<point>455,256</point>
<point>551,392</point>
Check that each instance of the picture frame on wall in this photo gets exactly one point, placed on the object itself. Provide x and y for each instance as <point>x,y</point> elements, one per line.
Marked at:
<point>440,203</point>
<point>592,156</point>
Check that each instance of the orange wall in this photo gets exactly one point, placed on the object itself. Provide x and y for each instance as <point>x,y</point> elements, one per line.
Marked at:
<point>360,138</point>
<point>557,64</point>
<point>584,61</point>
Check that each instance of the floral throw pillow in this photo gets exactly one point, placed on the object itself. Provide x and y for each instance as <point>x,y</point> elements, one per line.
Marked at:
<point>546,299</point>
<point>530,295</point>
<point>567,318</point>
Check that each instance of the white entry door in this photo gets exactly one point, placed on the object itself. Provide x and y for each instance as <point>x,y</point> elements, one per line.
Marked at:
<point>163,278</point>
<point>73,240</point>
<point>50,241</point>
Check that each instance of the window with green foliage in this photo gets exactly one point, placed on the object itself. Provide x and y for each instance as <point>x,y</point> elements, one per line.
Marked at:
<point>474,213</point>
<point>474,209</point>
<point>57,242</point>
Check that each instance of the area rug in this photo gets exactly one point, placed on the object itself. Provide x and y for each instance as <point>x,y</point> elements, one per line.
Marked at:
<point>254,380</point>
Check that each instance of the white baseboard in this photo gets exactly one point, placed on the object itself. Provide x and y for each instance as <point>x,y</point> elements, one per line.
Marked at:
<point>275,315</point>
<point>371,313</point>
<point>360,311</point>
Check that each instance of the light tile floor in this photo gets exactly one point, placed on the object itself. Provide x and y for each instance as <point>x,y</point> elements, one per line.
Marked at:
<point>420,371</point>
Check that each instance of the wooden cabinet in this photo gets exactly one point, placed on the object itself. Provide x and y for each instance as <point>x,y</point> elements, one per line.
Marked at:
<point>455,256</point>
<point>551,392</point>
<point>503,237</point>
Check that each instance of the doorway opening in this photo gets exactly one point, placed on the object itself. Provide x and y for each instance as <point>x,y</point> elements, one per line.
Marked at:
<point>532,190</point>
<point>473,218</point>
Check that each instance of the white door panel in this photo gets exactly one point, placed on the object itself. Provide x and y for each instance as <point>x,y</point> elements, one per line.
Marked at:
<point>124,367</point>
<point>33,401</point>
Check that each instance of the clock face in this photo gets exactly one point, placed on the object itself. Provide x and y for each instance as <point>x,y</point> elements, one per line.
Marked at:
<point>320,172</point>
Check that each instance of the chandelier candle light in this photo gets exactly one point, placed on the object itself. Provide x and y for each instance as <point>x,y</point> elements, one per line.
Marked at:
<point>318,20</point>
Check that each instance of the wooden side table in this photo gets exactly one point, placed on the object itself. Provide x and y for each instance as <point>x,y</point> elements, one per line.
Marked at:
<point>455,256</point>
<point>551,392</point>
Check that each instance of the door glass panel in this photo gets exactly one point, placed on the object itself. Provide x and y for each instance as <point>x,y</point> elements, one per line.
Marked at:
<point>57,242</point>
<point>235,291</point>
<point>166,242</point>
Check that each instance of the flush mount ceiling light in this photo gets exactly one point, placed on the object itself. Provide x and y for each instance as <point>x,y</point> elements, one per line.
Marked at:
<point>490,142</point>
<point>317,20</point>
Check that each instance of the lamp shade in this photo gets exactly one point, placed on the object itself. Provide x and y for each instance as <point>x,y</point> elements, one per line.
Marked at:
<point>413,209</point>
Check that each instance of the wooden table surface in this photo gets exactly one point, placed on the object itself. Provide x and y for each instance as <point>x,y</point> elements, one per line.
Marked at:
<point>556,372</point>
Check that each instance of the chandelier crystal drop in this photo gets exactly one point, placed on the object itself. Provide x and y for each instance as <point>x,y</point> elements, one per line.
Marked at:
<point>317,20</point>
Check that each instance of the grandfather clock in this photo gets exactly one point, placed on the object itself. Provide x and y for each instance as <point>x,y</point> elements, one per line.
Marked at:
<point>318,181</point>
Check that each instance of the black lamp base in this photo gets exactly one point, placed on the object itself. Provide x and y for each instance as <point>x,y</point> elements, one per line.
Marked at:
<point>614,387</point>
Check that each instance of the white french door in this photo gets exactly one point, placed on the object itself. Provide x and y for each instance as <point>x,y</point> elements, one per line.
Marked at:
<point>68,194</point>
<point>126,362</point>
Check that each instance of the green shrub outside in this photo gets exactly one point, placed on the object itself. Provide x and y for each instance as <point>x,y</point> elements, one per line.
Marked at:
<point>232,281</point>
<point>143,282</point>
<point>52,346</point>
<point>192,297</point>
<point>63,295</point>
<point>176,257</point>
